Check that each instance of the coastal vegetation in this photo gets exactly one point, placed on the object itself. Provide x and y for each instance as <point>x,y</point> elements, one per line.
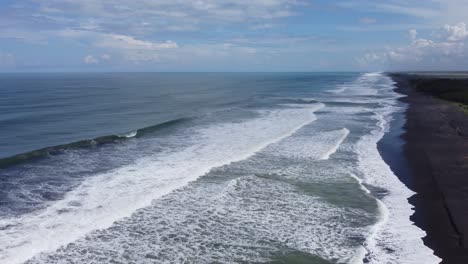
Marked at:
<point>454,90</point>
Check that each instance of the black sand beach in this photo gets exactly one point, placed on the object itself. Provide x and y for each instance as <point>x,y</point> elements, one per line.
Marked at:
<point>436,148</point>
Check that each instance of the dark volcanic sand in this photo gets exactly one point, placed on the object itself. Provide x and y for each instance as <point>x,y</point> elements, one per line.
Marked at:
<point>436,149</point>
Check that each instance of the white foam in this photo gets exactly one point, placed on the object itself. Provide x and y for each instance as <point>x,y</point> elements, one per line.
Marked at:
<point>343,133</point>
<point>365,85</point>
<point>349,110</point>
<point>129,134</point>
<point>339,89</point>
<point>301,105</point>
<point>394,239</point>
<point>249,219</point>
<point>101,200</point>
<point>315,146</point>
<point>373,74</point>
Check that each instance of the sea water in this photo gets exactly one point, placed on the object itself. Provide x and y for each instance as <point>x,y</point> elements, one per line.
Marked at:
<point>201,168</point>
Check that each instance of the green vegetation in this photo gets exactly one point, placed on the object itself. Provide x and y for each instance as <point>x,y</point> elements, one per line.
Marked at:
<point>452,90</point>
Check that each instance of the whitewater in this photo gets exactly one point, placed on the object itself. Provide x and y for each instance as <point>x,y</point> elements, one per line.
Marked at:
<point>286,170</point>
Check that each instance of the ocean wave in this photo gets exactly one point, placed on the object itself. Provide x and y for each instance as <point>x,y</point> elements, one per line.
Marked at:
<point>101,200</point>
<point>87,143</point>
<point>316,146</point>
<point>269,182</point>
<point>297,100</point>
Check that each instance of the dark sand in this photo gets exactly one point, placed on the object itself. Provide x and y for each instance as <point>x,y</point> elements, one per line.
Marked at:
<point>436,149</point>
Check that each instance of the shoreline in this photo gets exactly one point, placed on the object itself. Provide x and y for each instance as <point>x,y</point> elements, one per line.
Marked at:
<point>436,156</point>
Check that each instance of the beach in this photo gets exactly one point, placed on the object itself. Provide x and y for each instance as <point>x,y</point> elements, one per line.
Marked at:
<point>436,149</point>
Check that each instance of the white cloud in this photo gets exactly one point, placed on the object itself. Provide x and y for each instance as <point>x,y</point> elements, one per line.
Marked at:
<point>413,34</point>
<point>278,41</point>
<point>428,12</point>
<point>456,32</point>
<point>140,51</point>
<point>123,42</point>
<point>263,26</point>
<point>90,60</point>
<point>90,24</point>
<point>128,47</point>
<point>447,53</point>
<point>122,16</point>
<point>22,35</point>
<point>409,8</point>
<point>106,57</point>
<point>7,59</point>
<point>133,49</point>
<point>72,33</point>
<point>193,55</point>
<point>450,11</point>
<point>367,20</point>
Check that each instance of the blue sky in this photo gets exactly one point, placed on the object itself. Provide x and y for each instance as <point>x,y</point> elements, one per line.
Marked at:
<point>232,35</point>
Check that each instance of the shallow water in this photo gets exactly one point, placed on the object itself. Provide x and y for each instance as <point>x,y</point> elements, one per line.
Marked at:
<point>250,168</point>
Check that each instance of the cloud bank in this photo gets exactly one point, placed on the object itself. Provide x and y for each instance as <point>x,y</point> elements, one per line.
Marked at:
<point>447,50</point>
<point>146,16</point>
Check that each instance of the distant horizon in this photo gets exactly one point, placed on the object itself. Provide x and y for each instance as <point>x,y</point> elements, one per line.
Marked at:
<point>253,72</point>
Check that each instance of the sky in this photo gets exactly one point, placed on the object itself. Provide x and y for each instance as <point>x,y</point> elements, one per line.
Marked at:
<point>233,35</point>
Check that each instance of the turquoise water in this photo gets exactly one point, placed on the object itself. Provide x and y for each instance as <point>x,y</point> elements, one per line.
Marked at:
<point>200,168</point>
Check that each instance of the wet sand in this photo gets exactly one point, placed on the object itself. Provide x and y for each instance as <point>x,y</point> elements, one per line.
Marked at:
<point>436,149</point>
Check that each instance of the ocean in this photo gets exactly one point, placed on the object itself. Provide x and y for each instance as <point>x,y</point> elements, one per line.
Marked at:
<point>202,168</point>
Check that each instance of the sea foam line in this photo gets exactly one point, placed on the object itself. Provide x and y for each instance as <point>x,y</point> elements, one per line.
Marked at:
<point>345,133</point>
<point>363,251</point>
<point>103,199</point>
<point>394,238</point>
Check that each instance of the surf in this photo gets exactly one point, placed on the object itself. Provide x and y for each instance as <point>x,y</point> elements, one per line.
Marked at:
<point>387,243</point>
<point>103,199</point>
